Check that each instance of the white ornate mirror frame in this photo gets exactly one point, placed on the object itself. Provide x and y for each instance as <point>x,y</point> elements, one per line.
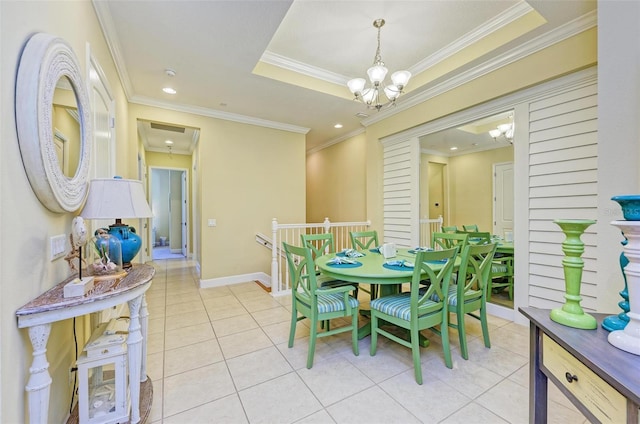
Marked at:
<point>46,59</point>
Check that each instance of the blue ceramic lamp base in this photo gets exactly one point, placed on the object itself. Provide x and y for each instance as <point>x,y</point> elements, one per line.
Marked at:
<point>131,242</point>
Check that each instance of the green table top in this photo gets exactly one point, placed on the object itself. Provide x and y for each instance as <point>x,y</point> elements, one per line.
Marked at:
<point>371,271</point>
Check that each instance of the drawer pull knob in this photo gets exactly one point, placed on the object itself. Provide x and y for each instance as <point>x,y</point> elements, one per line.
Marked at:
<point>570,378</point>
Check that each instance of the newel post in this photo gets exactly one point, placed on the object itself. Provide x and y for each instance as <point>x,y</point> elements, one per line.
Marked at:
<point>275,278</point>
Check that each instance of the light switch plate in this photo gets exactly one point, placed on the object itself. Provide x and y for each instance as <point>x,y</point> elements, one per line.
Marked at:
<point>212,222</point>
<point>58,246</point>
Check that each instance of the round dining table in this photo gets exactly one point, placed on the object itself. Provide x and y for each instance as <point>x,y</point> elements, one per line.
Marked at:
<point>370,269</point>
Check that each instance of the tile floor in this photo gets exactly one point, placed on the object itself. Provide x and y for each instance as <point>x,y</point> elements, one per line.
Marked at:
<point>220,355</point>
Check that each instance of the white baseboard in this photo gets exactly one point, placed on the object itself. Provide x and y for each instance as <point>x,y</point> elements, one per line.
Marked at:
<point>262,277</point>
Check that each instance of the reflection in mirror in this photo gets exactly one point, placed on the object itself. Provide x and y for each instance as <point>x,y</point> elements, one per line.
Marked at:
<point>66,127</point>
<point>466,175</point>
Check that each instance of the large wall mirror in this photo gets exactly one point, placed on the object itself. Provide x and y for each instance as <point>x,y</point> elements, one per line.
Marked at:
<point>53,122</point>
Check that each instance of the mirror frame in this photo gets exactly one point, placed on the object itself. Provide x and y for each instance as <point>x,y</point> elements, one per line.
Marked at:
<point>45,59</point>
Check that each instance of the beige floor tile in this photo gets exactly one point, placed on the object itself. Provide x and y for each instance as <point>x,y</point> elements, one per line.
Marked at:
<point>272,316</point>
<point>508,400</point>
<point>225,410</point>
<point>219,312</point>
<point>260,304</point>
<point>297,355</point>
<point>184,298</point>
<point>249,286</point>
<point>560,414</point>
<point>496,359</point>
<point>257,367</point>
<point>335,379</point>
<point>188,335</point>
<point>222,302</point>
<point>320,417</point>
<point>370,406</point>
<point>156,324</point>
<point>186,319</point>
<point>282,400</point>
<point>242,343</point>
<point>237,324</point>
<point>191,357</point>
<point>155,343</point>
<point>521,376</point>
<point>473,413</point>
<point>155,366</point>
<point>444,400</point>
<point>155,415</point>
<point>196,387</point>
<point>467,377</point>
<point>279,333</point>
<point>385,364</point>
<point>215,292</point>
<point>183,308</point>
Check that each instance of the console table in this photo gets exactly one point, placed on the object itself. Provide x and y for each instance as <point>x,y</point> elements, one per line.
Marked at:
<point>601,380</point>
<point>52,306</point>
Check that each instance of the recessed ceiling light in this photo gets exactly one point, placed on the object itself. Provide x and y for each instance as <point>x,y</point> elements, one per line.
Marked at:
<point>168,142</point>
<point>337,126</point>
<point>169,90</point>
<point>453,148</point>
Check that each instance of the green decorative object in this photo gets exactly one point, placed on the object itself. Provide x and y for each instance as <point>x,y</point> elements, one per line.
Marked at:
<point>571,313</point>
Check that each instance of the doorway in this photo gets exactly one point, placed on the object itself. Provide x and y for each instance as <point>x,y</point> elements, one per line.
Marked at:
<point>169,226</point>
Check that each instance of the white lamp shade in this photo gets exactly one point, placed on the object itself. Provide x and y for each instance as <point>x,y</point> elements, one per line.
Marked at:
<point>356,85</point>
<point>504,128</point>
<point>392,92</point>
<point>400,78</point>
<point>369,95</point>
<point>377,73</point>
<point>114,198</point>
<point>494,133</point>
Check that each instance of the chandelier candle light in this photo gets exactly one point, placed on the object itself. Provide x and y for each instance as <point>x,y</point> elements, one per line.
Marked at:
<point>377,73</point>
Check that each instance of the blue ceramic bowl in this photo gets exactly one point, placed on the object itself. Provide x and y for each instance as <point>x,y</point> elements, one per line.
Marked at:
<point>630,205</point>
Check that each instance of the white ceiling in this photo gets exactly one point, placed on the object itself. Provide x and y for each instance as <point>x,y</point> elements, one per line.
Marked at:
<point>220,50</point>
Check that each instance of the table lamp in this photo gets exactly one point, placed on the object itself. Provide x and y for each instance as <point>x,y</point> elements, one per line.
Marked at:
<point>118,198</point>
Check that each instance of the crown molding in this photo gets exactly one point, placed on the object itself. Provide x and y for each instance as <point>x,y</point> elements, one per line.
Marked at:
<point>569,82</point>
<point>211,113</point>
<point>336,141</point>
<point>506,17</point>
<point>561,33</point>
<point>303,68</point>
<point>113,43</point>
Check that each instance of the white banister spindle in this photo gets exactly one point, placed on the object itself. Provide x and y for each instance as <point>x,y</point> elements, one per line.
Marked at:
<point>327,225</point>
<point>275,276</point>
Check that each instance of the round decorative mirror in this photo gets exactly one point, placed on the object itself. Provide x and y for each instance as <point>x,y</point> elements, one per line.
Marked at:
<point>49,70</point>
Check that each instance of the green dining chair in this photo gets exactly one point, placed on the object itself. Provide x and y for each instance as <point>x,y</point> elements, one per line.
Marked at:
<point>501,276</point>
<point>468,296</point>
<point>317,304</point>
<point>477,237</point>
<point>472,227</point>
<point>450,229</point>
<point>441,241</point>
<point>322,244</point>
<point>365,240</point>
<point>416,310</point>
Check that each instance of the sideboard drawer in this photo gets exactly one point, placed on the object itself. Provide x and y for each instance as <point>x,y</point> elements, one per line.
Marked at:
<point>602,400</point>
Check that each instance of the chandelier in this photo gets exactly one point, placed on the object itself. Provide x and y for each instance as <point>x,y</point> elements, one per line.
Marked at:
<point>370,96</point>
<point>505,130</point>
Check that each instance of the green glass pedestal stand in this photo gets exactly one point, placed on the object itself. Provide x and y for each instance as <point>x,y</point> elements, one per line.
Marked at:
<point>571,313</point>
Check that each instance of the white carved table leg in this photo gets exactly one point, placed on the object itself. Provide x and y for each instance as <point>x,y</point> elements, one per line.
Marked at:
<point>144,322</point>
<point>134,350</point>
<point>39,384</point>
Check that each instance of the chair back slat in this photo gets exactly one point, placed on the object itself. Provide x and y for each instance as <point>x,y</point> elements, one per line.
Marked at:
<point>443,241</point>
<point>363,240</point>
<point>438,281</point>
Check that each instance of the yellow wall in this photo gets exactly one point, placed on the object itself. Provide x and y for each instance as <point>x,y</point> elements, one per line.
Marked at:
<point>245,176</point>
<point>26,225</point>
<point>471,187</point>
<point>335,181</point>
<point>575,53</point>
